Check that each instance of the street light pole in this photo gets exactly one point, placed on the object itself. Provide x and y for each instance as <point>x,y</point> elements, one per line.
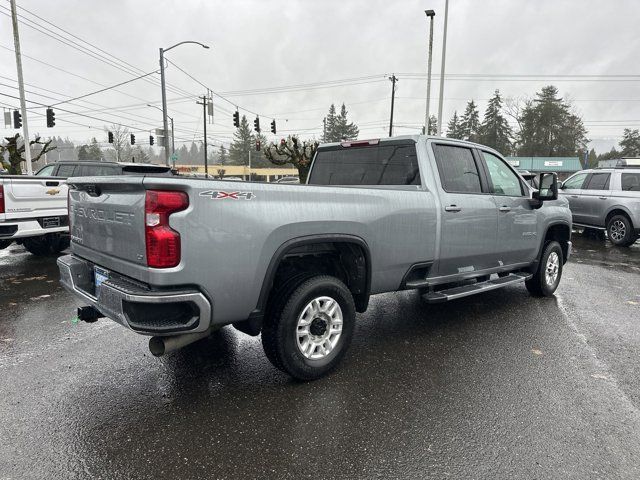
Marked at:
<point>430,14</point>
<point>164,93</point>
<point>173,137</point>
<point>23,104</point>
<point>444,54</point>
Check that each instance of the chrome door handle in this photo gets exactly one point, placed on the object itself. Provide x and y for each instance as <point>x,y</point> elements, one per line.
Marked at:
<point>603,198</point>
<point>504,208</point>
<point>452,208</point>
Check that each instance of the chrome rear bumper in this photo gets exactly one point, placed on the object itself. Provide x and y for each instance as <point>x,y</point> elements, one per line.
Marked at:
<point>146,311</point>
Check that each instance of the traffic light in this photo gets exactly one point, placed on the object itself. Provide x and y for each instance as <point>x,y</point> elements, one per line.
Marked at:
<point>257,145</point>
<point>150,139</point>
<point>17,119</point>
<point>110,135</point>
<point>133,139</point>
<point>236,119</point>
<point>273,127</point>
<point>256,124</point>
<point>51,118</point>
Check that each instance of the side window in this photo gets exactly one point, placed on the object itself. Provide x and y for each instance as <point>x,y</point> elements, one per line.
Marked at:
<point>458,170</point>
<point>504,180</point>
<point>85,171</point>
<point>66,170</point>
<point>631,182</point>
<point>575,182</point>
<point>46,171</point>
<point>598,181</point>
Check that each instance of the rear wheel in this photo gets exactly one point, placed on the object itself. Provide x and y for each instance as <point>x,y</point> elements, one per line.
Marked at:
<point>620,231</point>
<point>309,327</point>
<point>5,243</point>
<point>46,245</point>
<point>546,279</point>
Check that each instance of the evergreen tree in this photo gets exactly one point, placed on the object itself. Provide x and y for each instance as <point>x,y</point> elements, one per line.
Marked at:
<point>454,129</point>
<point>630,143</point>
<point>470,123</point>
<point>94,150</point>
<point>223,156</point>
<point>195,157</point>
<point>83,153</point>
<point>548,128</point>
<point>433,126</point>
<point>494,131</point>
<point>337,126</point>
<point>592,162</point>
<point>243,142</point>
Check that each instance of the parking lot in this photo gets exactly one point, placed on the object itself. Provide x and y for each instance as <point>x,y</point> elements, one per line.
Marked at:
<point>500,385</point>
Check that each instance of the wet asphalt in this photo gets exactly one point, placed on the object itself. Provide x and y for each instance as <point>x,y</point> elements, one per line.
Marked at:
<point>500,385</point>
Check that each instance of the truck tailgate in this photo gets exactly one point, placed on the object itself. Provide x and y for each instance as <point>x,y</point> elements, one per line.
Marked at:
<point>28,197</point>
<point>107,217</point>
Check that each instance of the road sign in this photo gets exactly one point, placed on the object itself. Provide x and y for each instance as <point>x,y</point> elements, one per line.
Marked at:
<point>174,157</point>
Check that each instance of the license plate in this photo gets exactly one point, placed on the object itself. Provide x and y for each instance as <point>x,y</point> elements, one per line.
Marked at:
<point>50,222</point>
<point>100,275</point>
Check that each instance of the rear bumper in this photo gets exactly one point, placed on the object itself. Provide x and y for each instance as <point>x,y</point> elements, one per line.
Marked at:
<point>136,306</point>
<point>33,227</point>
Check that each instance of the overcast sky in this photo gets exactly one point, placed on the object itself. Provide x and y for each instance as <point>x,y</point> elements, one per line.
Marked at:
<point>257,45</point>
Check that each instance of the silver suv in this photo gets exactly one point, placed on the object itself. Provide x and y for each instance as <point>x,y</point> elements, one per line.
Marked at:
<point>606,198</point>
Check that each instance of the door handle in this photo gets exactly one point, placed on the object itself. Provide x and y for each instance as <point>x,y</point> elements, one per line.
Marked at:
<point>504,208</point>
<point>573,196</point>
<point>603,198</point>
<point>452,208</point>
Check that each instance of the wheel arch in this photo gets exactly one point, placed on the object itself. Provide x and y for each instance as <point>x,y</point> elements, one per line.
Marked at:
<point>618,210</point>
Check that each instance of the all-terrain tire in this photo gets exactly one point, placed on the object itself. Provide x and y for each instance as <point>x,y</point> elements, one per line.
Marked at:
<point>547,277</point>
<point>303,303</point>
<point>39,246</point>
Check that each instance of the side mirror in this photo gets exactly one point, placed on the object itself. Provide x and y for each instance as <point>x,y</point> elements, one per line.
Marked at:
<point>548,189</point>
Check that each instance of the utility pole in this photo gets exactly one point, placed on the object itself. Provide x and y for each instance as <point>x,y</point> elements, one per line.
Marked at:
<point>164,107</point>
<point>23,104</point>
<point>204,111</point>
<point>393,79</point>
<point>430,14</point>
<point>444,54</point>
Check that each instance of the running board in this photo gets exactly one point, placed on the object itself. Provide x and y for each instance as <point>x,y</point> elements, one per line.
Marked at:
<point>466,290</point>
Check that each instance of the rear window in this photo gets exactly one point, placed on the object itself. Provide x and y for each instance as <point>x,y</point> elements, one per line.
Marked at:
<point>146,170</point>
<point>631,182</point>
<point>379,165</point>
<point>458,170</point>
<point>599,181</point>
<point>94,170</point>
<point>66,170</point>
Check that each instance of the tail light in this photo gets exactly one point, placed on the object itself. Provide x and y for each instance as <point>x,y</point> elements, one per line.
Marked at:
<point>1,199</point>
<point>163,243</point>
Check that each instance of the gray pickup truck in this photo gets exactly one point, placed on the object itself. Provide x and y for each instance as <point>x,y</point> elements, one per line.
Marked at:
<point>177,258</point>
<point>606,199</point>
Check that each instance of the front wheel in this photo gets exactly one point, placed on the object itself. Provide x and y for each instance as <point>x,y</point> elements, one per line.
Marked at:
<point>308,329</point>
<point>620,231</point>
<point>546,279</point>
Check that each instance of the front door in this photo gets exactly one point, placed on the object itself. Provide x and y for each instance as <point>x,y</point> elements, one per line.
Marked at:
<point>518,240</point>
<point>572,191</point>
<point>469,215</point>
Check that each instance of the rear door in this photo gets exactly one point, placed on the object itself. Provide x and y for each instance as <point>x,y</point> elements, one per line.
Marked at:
<point>572,191</point>
<point>517,240</point>
<point>469,214</point>
<point>596,198</point>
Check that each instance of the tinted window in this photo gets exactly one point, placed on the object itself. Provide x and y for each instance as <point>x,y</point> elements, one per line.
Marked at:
<point>576,181</point>
<point>631,182</point>
<point>46,171</point>
<point>504,181</point>
<point>599,181</point>
<point>66,170</point>
<point>383,165</point>
<point>458,170</point>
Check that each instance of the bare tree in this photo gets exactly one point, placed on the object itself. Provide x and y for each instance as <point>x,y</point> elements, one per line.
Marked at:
<point>121,142</point>
<point>293,151</point>
<point>15,150</point>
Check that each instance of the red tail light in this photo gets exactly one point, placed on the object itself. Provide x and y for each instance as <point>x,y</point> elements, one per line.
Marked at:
<point>1,199</point>
<point>163,243</point>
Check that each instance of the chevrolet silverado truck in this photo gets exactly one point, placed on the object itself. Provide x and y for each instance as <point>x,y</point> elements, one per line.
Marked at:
<point>176,258</point>
<point>33,212</point>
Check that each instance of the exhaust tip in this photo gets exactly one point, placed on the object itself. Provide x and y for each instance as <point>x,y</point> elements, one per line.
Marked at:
<point>156,346</point>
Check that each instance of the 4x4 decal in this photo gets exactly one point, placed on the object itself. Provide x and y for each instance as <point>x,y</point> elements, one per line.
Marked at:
<point>220,195</point>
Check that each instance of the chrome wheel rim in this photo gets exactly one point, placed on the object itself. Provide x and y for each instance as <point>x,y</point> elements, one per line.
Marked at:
<point>319,328</point>
<point>552,268</point>
<point>617,230</point>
